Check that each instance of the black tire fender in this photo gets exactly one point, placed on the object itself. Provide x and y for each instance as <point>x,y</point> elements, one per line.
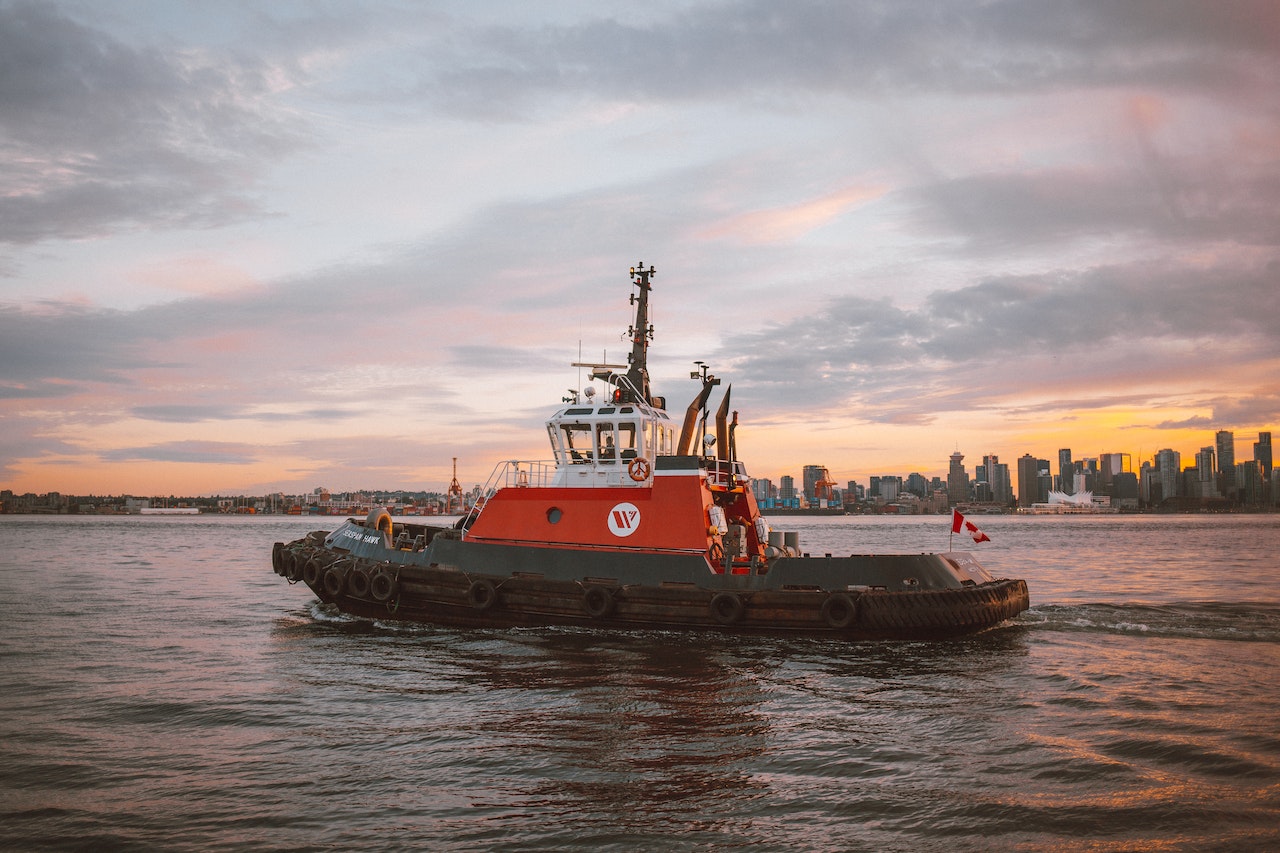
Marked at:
<point>482,594</point>
<point>334,582</point>
<point>839,610</point>
<point>358,582</point>
<point>727,608</point>
<point>382,586</point>
<point>598,601</point>
<point>293,564</point>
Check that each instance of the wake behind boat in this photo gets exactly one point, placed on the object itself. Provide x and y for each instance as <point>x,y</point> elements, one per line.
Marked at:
<point>636,522</point>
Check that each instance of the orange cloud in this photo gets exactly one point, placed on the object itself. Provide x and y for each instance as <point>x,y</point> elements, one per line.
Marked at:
<point>779,224</point>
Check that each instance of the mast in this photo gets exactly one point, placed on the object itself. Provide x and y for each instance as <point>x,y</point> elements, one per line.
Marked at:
<point>641,332</point>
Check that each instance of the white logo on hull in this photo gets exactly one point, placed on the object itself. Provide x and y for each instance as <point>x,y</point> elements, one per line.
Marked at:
<point>624,518</point>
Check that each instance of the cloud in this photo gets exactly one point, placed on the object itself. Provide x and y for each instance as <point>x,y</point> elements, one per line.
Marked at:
<point>969,348</point>
<point>98,136</point>
<point>752,49</point>
<point>200,452</point>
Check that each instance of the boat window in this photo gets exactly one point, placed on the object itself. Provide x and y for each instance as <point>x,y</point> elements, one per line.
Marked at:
<point>627,432</point>
<point>606,443</point>
<point>577,411</point>
<point>609,410</point>
<point>577,441</point>
<point>660,438</point>
<point>627,410</point>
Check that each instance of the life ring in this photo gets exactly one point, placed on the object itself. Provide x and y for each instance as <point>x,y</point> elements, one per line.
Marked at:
<point>727,608</point>
<point>311,571</point>
<point>382,586</point>
<point>639,469</point>
<point>482,594</point>
<point>379,519</point>
<point>333,582</point>
<point>358,582</point>
<point>597,601</point>
<point>293,567</point>
<point>839,610</point>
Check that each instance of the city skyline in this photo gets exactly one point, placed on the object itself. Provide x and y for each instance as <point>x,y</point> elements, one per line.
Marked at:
<point>804,478</point>
<point>246,249</point>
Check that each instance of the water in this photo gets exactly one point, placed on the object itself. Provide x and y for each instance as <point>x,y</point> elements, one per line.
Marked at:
<point>164,690</point>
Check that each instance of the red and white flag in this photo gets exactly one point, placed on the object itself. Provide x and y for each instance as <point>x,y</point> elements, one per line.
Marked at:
<point>958,523</point>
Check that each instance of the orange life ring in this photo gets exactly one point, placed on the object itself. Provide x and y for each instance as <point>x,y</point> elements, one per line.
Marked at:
<point>639,469</point>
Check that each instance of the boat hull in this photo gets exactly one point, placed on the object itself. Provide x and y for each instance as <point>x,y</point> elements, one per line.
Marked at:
<point>455,583</point>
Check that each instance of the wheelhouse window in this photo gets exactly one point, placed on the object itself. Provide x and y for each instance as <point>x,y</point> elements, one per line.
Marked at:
<point>573,442</point>
<point>606,444</point>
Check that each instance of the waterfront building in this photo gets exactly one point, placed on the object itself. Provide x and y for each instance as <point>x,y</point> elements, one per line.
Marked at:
<point>997,478</point>
<point>1206,480</point>
<point>1168,468</point>
<point>1124,490</point>
<point>1262,454</point>
<point>1066,471</point>
<point>1226,442</point>
<point>1028,480</point>
<point>957,480</point>
<point>786,487</point>
<point>1249,483</point>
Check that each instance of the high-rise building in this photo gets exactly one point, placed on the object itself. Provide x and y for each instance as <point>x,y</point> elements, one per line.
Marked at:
<point>1262,454</point>
<point>1206,473</point>
<point>1249,482</point>
<point>1066,471</point>
<point>957,480</point>
<point>1168,467</point>
<point>786,487</point>
<point>1226,442</point>
<point>996,476</point>
<point>1028,480</point>
<point>813,475</point>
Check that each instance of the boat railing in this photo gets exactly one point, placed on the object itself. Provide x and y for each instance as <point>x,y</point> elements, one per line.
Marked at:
<point>726,474</point>
<point>520,474</point>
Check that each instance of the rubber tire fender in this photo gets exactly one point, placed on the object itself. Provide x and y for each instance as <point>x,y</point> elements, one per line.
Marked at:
<point>293,564</point>
<point>727,608</point>
<point>482,594</point>
<point>334,582</point>
<point>312,571</point>
<point>382,586</point>
<point>839,610</point>
<point>358,582</point>
<point>598,601</point>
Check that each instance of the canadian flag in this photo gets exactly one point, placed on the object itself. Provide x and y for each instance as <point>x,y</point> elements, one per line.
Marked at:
<point>958,523</point>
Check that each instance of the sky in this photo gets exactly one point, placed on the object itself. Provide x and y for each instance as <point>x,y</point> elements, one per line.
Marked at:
<point>249,247</point>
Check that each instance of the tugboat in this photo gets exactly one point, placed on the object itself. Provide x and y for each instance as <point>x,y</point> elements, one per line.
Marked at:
<point>636,522</point>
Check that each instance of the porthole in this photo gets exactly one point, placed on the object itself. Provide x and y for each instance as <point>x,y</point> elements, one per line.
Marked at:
<point>553,515</point>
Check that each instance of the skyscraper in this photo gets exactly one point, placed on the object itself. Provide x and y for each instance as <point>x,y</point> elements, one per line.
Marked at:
<point>1028,480</point>
<point>1262,454</point>
<point>1168,470</point>
<point>957,480</point>
<point>1066,471</point>
<point>1226,441</point>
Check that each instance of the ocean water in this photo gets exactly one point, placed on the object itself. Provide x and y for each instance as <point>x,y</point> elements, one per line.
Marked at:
<point>165,690</point>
